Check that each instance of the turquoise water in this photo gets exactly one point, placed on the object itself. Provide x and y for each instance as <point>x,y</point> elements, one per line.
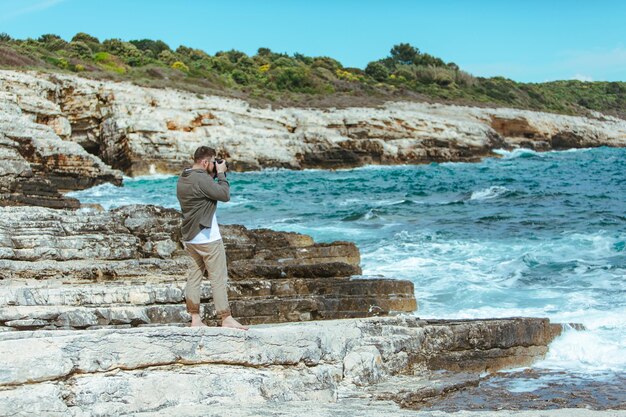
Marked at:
<point>527,234</point>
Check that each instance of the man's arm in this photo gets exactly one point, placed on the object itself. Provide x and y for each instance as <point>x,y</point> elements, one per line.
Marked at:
<point>219,191</point>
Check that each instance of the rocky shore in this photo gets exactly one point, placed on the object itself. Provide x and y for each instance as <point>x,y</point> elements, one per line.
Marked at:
<point>92,318</point>
<point>92,315</point>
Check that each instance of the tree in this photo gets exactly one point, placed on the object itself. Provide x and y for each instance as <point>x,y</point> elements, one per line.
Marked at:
<point>404,53</point>
<point>155,47</point>
<point>233,55</point>
<point>303,58</point>
<point>48,38</point>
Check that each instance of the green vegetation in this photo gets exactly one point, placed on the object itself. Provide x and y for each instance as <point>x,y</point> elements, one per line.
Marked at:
<point>406,74</point>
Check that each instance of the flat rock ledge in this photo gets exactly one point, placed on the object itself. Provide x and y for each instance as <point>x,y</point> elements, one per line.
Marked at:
<point>366,366</point>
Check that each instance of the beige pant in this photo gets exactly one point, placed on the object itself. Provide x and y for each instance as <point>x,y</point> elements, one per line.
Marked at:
<point>209,257</point>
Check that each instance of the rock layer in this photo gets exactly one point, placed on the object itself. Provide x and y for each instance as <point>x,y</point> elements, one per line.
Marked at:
<point>164,369</point>
<point>84,269</point>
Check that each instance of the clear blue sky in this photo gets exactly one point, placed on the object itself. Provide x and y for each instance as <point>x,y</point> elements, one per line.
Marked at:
<point>530,40</point>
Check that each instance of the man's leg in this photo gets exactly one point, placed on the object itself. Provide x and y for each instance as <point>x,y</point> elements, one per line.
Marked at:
<point>193,287</point>
<point>215,262</point>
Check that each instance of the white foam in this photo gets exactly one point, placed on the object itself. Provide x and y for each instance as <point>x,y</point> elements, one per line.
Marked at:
<point>586,351</point>
<point>516,153</point>
<point>151,177</point>
<point>524,152</point>
<point>489,193</point>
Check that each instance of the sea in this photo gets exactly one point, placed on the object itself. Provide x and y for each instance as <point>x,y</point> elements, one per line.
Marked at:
<point>521,234</point>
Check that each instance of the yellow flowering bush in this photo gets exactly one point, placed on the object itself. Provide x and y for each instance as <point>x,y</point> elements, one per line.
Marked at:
<point>264,68</point>
<point>180,66</point>
<point>346,75</point>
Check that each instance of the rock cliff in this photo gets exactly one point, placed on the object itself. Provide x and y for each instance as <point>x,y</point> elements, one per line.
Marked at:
<point>35,162</point>
<point>142,130</point>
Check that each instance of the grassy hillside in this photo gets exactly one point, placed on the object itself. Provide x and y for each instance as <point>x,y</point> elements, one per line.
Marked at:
<point>281,79</point>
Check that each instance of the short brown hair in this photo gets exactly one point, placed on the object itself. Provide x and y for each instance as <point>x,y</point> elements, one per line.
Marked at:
<point>203,152</point>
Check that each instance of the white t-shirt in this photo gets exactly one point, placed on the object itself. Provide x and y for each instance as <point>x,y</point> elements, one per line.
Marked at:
<point>208,235</point>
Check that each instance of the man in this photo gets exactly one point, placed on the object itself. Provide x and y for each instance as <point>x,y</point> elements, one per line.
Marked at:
<point>198,194</point>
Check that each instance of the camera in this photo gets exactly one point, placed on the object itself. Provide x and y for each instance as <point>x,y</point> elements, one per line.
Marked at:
<point>218,161</point>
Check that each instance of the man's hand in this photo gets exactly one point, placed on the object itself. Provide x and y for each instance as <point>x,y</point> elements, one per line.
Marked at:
<point>221,167</point>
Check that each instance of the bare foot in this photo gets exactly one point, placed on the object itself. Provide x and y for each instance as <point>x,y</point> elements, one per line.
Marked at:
<point>196,321</point>
<point>232,323</point>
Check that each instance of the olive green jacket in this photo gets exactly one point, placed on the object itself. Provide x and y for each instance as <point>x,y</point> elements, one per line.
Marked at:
<point>198,194</point>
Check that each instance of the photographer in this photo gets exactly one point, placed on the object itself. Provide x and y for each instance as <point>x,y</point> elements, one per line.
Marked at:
<point>198,194</point>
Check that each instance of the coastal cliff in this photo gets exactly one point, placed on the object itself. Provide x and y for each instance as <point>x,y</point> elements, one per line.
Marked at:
<point>61,132</point>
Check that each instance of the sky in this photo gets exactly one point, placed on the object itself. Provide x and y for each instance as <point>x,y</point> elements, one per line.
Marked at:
<point>527,41</point>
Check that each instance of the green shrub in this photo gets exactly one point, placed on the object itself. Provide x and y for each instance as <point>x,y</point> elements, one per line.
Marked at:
<point>192,54</point>
<point>167,57</point>
<point>125,51</point>
<point>240,77</point>
<point>324,74</point>
<point>91,41</point>
<point>407,72</point>
<point>62,63</point>
<point>285,62</point>
<point>465,79</point>
<point>293,79</point>
<point>221,64</point>
<point>438,75</point>
<point>80,49</point>
<point>377,71</point>
<point>48,38</point>
<point>4,37</point>
<point>326,62</point>
<point>84,37</point>
<point>109,62</point>
<point>52,42</point>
